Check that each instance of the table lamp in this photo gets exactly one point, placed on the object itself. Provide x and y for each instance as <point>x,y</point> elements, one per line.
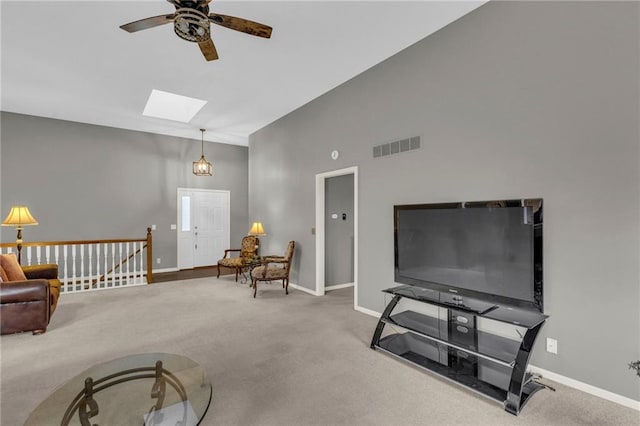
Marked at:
<point>258,230</point>
<point>19,216</point>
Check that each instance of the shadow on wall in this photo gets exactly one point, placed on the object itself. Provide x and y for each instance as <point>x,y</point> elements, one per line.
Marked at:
<point>294,273</point>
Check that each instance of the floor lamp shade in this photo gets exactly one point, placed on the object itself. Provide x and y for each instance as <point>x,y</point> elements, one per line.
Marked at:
<point>19,216</point>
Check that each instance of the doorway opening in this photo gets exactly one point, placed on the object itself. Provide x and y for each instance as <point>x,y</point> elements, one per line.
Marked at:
<point>321,231</point>
<point>203,227</point>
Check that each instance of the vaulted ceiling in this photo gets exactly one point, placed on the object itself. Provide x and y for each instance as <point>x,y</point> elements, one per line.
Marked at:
<point>71,61</point>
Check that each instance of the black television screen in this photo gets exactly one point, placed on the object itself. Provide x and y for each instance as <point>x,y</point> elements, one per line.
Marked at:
<point>489,250</point>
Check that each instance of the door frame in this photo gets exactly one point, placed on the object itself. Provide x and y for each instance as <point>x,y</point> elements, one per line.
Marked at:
<point>178,211</point>
<point>320,229</point>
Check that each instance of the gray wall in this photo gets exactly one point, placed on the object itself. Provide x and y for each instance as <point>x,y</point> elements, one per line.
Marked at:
<point>516,99</point>
<point>82,181</point>
<point>338,243</point>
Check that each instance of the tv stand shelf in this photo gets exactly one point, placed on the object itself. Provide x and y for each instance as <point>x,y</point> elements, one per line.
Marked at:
<point>454,348</point>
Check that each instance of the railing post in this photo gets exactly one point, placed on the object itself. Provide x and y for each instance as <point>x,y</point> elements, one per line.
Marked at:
<point>149,257</point>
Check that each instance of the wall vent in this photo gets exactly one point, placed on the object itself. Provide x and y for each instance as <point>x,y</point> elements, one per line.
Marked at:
<point>396,147</point>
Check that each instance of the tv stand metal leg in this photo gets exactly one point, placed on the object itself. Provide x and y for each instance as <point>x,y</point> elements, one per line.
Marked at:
<point>385,314</point>
<point>513,404</point>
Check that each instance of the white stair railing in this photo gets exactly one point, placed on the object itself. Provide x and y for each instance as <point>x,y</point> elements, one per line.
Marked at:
<point>92,264</point>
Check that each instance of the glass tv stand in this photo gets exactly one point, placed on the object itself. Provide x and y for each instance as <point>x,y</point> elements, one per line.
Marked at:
<point>456,340</point>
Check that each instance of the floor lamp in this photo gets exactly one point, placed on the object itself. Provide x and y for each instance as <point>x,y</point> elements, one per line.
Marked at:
<point>19,216</point>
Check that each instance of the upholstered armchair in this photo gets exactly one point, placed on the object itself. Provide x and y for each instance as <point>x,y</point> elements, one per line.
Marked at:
<point>246,253</point>
<point>48,272</point>
<point>273,269</point>
<point>28,296</point>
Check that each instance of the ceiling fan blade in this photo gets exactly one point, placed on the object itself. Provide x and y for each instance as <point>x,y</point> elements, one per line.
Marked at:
<point>146,23</point>
<point>208,49</point>
<point>242,25</point>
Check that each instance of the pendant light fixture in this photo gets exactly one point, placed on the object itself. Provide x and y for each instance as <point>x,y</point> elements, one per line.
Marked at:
<point>202,167</point>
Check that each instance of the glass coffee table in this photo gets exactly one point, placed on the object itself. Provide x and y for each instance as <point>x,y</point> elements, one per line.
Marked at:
<point>144,389</point>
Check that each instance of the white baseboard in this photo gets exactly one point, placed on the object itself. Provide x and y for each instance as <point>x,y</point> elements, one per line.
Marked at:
<point>338,286</point>
<point>567,381</point>
<point>306,290</point>
<point>368,311</point>
<point>584,387</point>
<point>160,271</point>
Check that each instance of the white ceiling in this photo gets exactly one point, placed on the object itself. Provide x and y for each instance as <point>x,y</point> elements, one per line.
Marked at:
<point>69,60</point>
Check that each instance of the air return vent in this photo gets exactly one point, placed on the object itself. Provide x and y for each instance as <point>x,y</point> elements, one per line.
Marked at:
<point>396,147</point>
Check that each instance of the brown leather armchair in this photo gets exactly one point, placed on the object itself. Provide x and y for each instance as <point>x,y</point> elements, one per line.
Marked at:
<point>28,305</point>
<point>50,273</point>
<point>24,306</point>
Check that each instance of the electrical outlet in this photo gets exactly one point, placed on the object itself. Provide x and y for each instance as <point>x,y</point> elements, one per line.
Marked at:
<point>552,345</point>
<point>153,227</point>
<point>158,261</point>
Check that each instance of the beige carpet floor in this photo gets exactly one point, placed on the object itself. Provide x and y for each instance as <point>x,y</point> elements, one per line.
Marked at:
<point>273,360</point>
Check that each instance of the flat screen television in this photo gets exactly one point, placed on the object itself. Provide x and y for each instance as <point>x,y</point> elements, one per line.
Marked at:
<point>485,250</point>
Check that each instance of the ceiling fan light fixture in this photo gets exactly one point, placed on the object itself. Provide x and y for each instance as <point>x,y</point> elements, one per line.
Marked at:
<point>183,25</point>
<point>202,167</point>
<point>192,22</point>
<point>191,25</point>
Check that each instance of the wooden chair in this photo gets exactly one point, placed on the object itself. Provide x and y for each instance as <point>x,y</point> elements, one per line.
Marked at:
<point>247,252</point>
<point>274,268</point>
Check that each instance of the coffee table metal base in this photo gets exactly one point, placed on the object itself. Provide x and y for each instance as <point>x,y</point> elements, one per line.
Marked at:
<point>120,392</point>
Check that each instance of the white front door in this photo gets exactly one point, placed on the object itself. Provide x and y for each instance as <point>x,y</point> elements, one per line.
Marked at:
<point>203,230</point>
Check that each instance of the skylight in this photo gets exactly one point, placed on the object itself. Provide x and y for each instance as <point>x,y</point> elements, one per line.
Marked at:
<point>171,106</point>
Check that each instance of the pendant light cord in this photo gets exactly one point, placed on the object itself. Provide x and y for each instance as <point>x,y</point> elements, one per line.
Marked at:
<point>202,146</point>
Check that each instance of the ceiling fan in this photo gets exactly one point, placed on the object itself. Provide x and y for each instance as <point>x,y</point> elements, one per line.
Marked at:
<point>191,22</point>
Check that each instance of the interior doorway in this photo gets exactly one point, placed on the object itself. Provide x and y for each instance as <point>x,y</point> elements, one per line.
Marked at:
<point>338,232</point>
<point>321,230</point>
<point>203,226</point>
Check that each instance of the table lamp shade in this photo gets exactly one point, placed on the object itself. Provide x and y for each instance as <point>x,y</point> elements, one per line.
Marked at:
<point>257,229</point>
<point>19,216</point>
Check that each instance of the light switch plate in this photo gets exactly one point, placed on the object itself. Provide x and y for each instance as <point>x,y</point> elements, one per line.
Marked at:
<point>173,227</point>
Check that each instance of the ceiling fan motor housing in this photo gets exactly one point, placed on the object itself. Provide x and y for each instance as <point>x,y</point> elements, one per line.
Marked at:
<point>191,25</point>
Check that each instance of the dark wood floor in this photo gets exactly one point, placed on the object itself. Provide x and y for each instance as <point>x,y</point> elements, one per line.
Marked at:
<point>187,274</point>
